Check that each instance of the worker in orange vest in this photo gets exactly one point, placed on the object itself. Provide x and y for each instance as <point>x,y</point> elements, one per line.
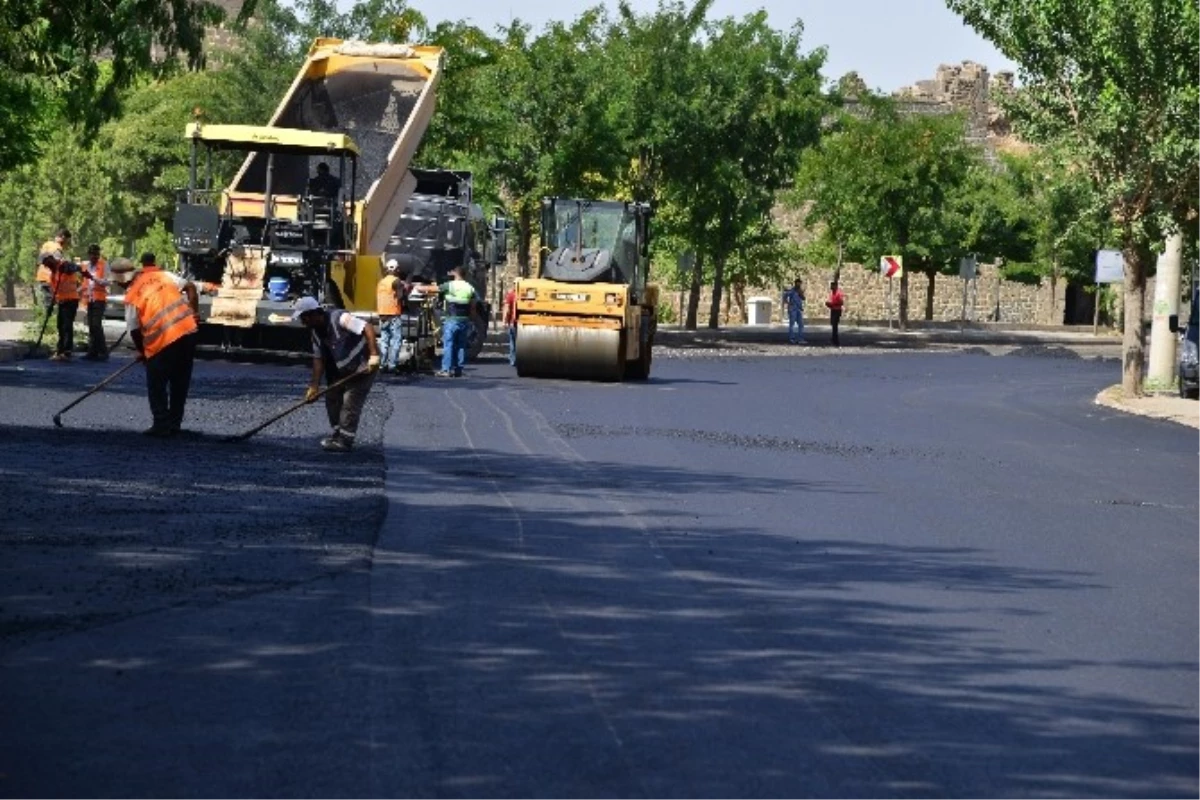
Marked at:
<point>95,300</point>
<point>389,304</point>
<point>161,310</point>
<point>59,247</point>
<point>65,279</point>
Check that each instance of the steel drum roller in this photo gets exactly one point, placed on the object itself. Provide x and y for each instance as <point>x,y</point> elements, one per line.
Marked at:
<point>568,352</point>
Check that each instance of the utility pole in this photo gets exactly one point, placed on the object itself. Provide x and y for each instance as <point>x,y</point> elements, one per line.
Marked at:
<point>1166,302</point>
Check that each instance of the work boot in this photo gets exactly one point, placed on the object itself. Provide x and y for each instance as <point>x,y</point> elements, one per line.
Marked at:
<point>441,373</point>
<point>159,431</point>
<point>336,444</point>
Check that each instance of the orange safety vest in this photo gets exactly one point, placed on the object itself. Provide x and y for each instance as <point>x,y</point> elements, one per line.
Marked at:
<point>66,287</point>
<point>45,274</point>
<point>386,302</point>
<point>96,292</point>
<point>164,315</point>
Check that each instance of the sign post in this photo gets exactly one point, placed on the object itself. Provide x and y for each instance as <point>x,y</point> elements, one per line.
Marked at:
<point>966,271</point>
<point>890,267</point>
<point>1110,268</point>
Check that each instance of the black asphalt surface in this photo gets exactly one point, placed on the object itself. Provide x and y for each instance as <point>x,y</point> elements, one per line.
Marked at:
<point>851,574</point>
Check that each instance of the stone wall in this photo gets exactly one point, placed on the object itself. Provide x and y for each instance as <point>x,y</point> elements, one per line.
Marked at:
<point>989,298</point>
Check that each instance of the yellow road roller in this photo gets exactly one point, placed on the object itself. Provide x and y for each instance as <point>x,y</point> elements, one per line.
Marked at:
<point>589,313</point>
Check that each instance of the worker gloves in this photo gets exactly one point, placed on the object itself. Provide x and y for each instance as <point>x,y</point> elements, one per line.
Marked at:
<point>311,394</point>
<point>373,363</point>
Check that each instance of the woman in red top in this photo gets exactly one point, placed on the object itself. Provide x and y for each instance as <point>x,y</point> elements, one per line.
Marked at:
<point>836,304</point>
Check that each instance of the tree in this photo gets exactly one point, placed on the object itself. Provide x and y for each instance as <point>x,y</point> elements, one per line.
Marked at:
<point>75,59</point>
<point>1113,84</point>
<point>886,183</point>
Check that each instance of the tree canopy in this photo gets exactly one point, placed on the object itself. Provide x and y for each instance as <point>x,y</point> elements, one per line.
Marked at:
<point>1111,84</point>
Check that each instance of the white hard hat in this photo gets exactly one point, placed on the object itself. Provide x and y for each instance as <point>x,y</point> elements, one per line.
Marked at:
<point>392,265</point>
<point>303,306</point>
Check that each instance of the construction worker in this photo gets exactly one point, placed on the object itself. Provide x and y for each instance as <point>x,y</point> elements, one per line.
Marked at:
<point>460,300</point>
<point>344,349</point>
<point>95,300</point>
<point>389,304</point>
<point>161,310</point>
<point>323,184</point>
<point>66,280</point>
<point>59,249</point>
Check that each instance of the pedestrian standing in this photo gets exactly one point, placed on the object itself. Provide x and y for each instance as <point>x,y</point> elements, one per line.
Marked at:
<point>460,312</point>
<point>836,304</point>
<point>389,305</point>
<point>344,346</point>
<point>161,312</point>
<point>95,301</point>
<point>510,323</point>
<point>793,301</point>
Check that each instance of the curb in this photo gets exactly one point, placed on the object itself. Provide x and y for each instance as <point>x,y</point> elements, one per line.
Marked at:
<point>1157,406</point>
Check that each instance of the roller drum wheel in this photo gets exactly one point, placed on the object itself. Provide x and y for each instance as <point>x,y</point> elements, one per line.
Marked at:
<point>545,351</point>
<point>639,368</point>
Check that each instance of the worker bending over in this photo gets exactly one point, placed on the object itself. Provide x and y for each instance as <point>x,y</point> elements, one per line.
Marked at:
<point>344,347</point>
<point>161,310</point>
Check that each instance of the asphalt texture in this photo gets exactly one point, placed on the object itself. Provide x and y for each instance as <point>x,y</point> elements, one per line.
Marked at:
<point>813,573</point>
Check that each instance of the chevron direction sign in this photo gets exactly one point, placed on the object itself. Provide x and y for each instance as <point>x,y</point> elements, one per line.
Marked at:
<point>891,266</point>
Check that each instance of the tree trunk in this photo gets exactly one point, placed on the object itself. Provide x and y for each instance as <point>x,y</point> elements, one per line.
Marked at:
<point>10,292</point>
<point>714,309</point>
<point>739,300</point>
<point>1133,344</point>
<point>930,288</point>
<point>1054,291</point>
<point>693,307</point>
<point>903,300</point>
<point>525,220</point>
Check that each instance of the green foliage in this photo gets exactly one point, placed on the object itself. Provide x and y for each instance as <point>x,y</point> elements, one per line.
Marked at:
<point>884,183</point>
<point>1112,85</point>
<point>50,60</point>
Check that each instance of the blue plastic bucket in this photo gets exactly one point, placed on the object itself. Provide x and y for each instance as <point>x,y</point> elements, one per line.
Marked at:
<point>277,289</point>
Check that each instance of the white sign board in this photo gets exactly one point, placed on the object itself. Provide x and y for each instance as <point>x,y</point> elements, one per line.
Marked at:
<point>966,268</point>
<point>1110,266</point>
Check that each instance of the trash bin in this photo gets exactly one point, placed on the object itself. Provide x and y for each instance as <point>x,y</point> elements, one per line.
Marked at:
<point>759,309</point>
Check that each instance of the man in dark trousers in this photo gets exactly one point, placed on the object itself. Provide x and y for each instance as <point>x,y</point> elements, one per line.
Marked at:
<point>161,314</point>
<point>836,304</point>
<point>343,346</point>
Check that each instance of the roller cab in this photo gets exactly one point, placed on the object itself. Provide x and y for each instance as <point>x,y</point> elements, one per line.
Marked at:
<point>589,314</point>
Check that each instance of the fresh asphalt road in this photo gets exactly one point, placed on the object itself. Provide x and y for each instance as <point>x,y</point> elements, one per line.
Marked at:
<point>832,575</point>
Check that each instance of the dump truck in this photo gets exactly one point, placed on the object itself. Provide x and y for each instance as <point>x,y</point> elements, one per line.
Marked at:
<point>590,313</point>
<point>443,227</point>
<point>317,198</point>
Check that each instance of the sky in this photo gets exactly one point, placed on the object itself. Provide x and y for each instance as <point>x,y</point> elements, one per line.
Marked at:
<point>890,43</point>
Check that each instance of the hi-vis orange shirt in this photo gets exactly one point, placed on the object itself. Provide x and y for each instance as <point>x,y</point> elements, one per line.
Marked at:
<point>164,315</point>
<point>93,291</point>
<point>386,302</point>
<point>44,275</point>
<point>66,286</point>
